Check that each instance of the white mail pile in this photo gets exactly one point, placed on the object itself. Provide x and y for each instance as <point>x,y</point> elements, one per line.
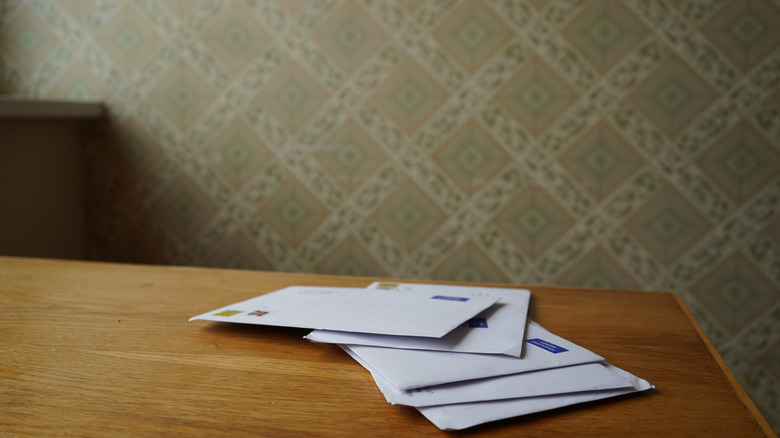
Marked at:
<point>460,355</point>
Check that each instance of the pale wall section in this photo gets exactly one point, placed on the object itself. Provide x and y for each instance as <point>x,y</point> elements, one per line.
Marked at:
<point>618,144</point>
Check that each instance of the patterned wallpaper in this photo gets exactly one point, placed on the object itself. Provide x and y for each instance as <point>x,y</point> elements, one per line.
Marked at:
<point>617,144</point>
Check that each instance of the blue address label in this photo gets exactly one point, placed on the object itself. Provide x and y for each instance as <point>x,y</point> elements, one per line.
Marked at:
<point>478,322</point>
<point>444,297</point>
<point>549,346</point>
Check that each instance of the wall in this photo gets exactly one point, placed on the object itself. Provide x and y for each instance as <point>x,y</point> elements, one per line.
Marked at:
<point>599,143</point>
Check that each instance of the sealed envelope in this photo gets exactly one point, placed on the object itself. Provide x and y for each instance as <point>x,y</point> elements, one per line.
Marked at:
<point>396,312</point>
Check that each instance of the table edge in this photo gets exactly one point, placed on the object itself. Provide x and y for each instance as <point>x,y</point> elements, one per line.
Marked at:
<point>742,395</point>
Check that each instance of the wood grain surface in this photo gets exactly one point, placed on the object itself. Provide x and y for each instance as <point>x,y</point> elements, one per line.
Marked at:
<point>98,349</point>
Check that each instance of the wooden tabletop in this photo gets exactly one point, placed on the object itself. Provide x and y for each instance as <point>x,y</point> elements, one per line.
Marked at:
<point>106,349</point>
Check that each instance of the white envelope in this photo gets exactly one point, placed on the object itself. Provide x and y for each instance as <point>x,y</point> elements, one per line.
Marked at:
<point>403,313</point>
<point>498,330</point>
<point>461,416</point>
<point>575,378</point>
<point>409,369</point>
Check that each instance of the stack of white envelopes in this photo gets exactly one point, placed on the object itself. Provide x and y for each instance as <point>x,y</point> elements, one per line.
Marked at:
<point>460,355</point>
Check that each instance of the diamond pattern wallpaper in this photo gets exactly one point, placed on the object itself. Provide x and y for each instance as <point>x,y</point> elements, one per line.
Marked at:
<point>614,144</point>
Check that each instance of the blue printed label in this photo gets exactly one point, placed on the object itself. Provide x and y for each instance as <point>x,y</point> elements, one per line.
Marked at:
<point>549,346</point>
<point>478,322</point>
<point>443,297</point>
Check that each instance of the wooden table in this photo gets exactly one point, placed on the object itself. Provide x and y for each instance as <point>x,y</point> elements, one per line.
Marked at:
<point>106,349</point>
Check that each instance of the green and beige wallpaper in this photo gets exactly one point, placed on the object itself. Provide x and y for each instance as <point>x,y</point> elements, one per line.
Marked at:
<point>613,144</point>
